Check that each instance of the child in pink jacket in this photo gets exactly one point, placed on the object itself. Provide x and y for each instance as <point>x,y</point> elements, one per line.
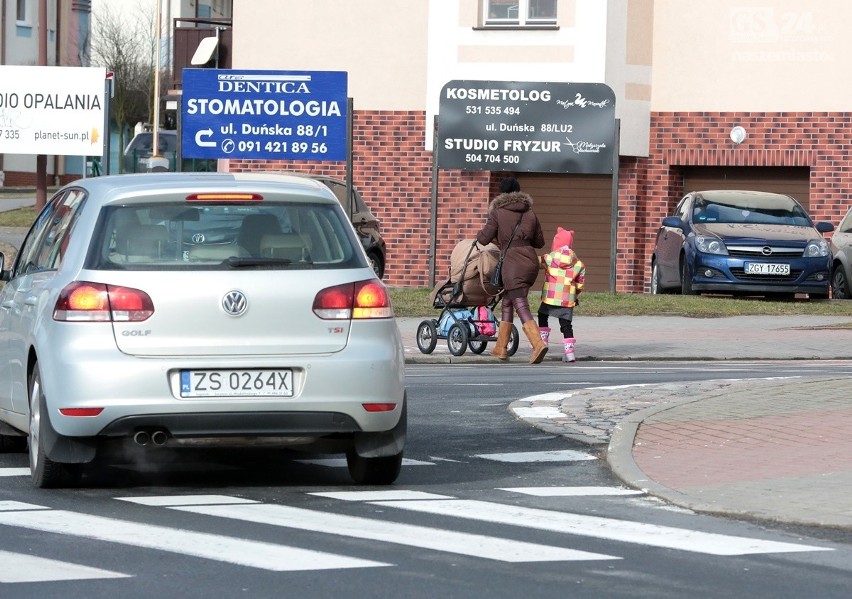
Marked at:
<point>563,281</point>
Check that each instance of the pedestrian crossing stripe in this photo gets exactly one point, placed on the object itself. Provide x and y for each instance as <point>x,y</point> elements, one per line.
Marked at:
<point>598,527</point>
<point>436,539</point>
<point>19,567</point>
<point>256,554</point>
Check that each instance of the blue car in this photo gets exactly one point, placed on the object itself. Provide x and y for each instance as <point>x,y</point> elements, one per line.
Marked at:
<point>741,243</point>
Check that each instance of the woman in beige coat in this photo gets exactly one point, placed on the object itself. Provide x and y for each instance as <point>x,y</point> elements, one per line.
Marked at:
<point>512,208</point>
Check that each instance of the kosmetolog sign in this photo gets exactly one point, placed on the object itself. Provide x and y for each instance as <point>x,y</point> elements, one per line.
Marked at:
<point>526,127</point>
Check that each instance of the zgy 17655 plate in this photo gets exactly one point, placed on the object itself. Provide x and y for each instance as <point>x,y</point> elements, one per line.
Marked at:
<point>236,383</point>
<point>758,268</point>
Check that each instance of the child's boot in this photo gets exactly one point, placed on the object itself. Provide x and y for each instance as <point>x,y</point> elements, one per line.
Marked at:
<point>569,350</point>
<point>545,334</point>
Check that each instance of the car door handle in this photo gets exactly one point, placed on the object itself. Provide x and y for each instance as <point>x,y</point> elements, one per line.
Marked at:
<point>8,304</point>
<point>31,301</point>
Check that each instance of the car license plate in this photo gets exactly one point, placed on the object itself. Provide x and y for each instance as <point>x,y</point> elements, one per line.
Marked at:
<point>236,383</point>
<point>759,268</point>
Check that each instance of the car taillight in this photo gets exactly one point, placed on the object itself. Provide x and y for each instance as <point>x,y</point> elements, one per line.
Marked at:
<point>96,302</point>
<point>363,299</point>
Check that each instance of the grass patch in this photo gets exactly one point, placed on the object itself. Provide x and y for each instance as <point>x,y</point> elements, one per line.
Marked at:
<point>20,217</point>
<point>414,302</point>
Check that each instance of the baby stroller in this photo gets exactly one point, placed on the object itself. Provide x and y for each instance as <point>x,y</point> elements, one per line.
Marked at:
<point>467,302</point>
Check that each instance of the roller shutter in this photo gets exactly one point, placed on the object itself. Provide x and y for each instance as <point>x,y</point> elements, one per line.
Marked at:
<point>790,181</point>
<point>582,203</point>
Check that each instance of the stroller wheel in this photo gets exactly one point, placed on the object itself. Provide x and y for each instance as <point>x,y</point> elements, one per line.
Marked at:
<point>512,346</point>
<point>477,347</point>
<point>427,336</point>
<point>457,339</point>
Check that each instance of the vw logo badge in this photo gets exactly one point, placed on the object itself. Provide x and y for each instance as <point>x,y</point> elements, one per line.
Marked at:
<point>766,251</point>
<point>198,238</point>
<point>234,303</point>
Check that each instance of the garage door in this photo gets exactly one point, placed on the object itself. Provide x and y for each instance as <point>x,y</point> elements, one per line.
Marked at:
<point>790,181</point>
<point>582,203</point>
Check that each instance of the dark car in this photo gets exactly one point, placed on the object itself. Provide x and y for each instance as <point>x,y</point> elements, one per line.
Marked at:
<point>841,251</point>
<point>741,243</point>
<point>365,222</point>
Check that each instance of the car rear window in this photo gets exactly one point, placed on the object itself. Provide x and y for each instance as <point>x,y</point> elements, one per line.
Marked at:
<point>223,235</point>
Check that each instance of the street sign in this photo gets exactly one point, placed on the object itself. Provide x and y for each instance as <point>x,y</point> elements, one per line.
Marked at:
<point>526,127</point>
<point>55,111</point>
<point>268,115</point>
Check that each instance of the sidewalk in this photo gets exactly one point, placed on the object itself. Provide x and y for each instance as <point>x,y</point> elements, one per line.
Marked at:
<point>773,449</point>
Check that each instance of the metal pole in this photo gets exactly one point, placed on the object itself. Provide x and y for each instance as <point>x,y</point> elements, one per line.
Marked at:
<point>350,106</point>
<point>433,223</point>
<point>613,243</point>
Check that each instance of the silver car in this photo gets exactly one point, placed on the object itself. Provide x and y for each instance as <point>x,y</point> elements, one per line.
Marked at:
<point>841,252</point>
<point>265,324</point>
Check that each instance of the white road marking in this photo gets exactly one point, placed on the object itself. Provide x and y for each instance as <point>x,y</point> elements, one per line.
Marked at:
<point>6,506</point>
<point>14,471</point>
<point>571,491</point>
<point>539,412</point>
<point>396,495</point>
<point>173,500</point>
<point>341,462</point>
<point>436,539</point>
<point>267,556</point>
<point>18,567</point>
<point>601,528</point>
<point>565,455</point>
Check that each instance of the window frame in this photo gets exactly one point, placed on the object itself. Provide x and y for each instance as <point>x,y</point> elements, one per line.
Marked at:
<point>522,20</point>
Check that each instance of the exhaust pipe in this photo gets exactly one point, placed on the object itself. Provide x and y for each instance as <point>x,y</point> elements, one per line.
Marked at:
<point>159,437</point>
<point>142,438</point>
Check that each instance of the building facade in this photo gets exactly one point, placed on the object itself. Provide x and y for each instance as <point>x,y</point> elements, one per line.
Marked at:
<point>684,72</point>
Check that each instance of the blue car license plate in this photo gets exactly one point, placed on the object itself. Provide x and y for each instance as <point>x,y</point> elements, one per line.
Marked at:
<point>236,383</point>
<point>760,268</point>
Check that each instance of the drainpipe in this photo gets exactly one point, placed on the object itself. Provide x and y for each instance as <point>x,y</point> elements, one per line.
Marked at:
<point>2,62</point>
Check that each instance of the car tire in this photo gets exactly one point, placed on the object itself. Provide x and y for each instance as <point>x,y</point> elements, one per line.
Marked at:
<point>656,288</point>
<point>457,339</point>
<point>685,280</point>
<point>377,264</point>
<point>45,473</point>
<point>427,336</point>
<point>373,471</point>
<point>839,283</point>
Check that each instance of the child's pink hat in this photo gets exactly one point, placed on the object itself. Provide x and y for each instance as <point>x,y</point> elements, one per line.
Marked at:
<point>562,238</point>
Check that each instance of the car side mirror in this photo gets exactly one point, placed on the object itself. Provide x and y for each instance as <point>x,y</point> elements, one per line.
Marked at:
<point>673,221</point>
<point>824,227</point>
<point>5,275</point>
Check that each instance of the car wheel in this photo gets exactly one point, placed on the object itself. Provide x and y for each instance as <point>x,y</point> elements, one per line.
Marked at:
<point>373,471</point>
<point>656,288</point>
<point>685,280</point>
<point>427,336</point>
<point>377,264</point>
<point>514,341</point>
<point>457,339</point>
<point>839,283</point>
<point>45,472</point>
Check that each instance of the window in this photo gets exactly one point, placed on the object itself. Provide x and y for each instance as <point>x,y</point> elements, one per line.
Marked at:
<point>22,15</point>
<point>520,12</point>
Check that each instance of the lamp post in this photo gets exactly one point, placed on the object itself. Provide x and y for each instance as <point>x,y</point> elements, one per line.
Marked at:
<point>157,163</point>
